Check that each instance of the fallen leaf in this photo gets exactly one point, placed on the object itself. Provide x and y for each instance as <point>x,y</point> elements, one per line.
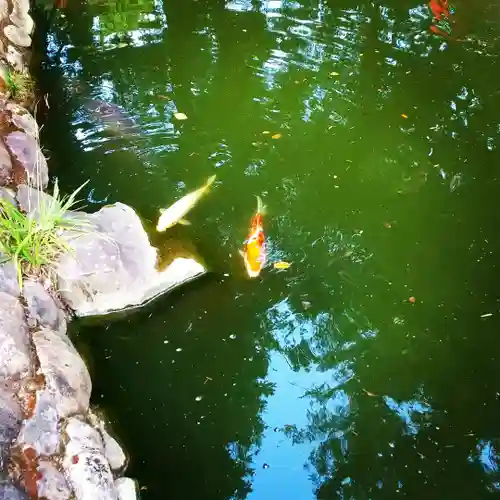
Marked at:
<point>180,116</point>
<point>281,265</point>
<point>487,315</point>
<point>266,132</point>
<point>404,116</point>
<point>368,393</point>
<point>163,96</point>
<point>334,73</point>
<point>276,136</point>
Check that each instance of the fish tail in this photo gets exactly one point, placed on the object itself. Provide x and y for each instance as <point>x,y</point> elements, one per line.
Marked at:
<point>210,181</point>
<point>261,208</point>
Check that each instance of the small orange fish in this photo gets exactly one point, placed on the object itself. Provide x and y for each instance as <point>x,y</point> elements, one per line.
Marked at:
<point>254,252</point>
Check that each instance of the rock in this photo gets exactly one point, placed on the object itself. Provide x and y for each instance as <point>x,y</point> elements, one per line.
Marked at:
<point>9,282</point>
<point>17,35</point>
<point>26,150</point>
<point>5,165</point>
<point>23,120</point>
<point>113,266</point>
<point>21,6</point>
<point>51,483</point>
<point>8,195</point>
<point>40,431</point>
<point>66,375</point>
<point>22,21</point>
<point>10,492</point>
<point>4,9</point>
<point>10,423</point>
<point>126,488</point>
<point>112,450</point>
<point>30,199</point>
<point>41,308</point>
<point>14,58</point>
<point>14,357</point>
<point>4,70</point>
<point>84,463</point>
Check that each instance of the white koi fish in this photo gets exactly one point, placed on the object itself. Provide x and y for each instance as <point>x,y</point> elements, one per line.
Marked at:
<point>175,213</point>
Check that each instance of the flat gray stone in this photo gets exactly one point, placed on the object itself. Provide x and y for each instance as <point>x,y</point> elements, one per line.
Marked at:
<point>10,492</point>
<point>66,376</point>
<point>9,282</point>
<point>84,463</point>
<point>5,165</point>
<point>14,58</point>
<point>112,449</point>
<point>4,9</point>
<point>51,483</point>
<point>14,351</point>
<point>126,489</point>
<point>40,431</point>
<point>41,308</point>
<point>17,36</point>
<point>10,423</point>
<point>30,199</point>
<point>8,195</point>
<point>26,150</point>
<point>113,266</point>
<point>22,21</point>
<point>22,119</point>
<point>22,6</point>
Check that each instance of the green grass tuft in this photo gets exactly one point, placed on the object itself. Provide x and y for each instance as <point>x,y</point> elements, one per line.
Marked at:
<point>19,85</point>
<point>34,244</point>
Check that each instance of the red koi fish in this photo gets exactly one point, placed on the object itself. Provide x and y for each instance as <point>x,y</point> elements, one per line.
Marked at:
<point>254,252</point>
<point>439,8</point>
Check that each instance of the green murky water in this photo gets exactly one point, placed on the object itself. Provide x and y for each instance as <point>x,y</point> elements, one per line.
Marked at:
<point>324,380</point>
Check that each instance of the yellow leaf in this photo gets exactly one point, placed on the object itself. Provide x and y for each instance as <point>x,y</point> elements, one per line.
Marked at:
<point>276,136</point>
<point>334,73</point>
<point>180,116</point>
<point>404,116</point>
<point>281,265</point>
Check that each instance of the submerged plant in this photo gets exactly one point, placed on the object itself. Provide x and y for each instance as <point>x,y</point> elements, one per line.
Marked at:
<point>19,85</point>
<point>34,241</point>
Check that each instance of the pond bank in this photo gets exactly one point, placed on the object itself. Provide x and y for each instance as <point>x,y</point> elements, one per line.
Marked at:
<point>52,443</point>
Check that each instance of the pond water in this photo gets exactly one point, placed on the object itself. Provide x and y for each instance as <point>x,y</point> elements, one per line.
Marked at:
<point>371,367</point>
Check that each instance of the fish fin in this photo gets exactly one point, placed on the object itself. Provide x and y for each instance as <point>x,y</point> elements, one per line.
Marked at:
<point>184,222</point>
<point>261,208</point>
<point>162,210</point>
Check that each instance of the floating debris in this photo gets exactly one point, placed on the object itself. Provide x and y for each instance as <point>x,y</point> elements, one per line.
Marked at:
<point>412,300</point>
<point>276,136</point>
<point>404,116</point>
<point>486,315</point>
<point>282,265</point>
<point>180,116</point>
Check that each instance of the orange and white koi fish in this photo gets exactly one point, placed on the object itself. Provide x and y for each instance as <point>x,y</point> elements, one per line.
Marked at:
<point>254,252</point>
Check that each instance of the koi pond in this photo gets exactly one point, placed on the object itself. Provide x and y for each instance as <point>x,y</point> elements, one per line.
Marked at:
<point>369,368</point>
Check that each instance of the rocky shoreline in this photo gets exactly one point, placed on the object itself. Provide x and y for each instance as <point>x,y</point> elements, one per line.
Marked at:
<point>53,445</point>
